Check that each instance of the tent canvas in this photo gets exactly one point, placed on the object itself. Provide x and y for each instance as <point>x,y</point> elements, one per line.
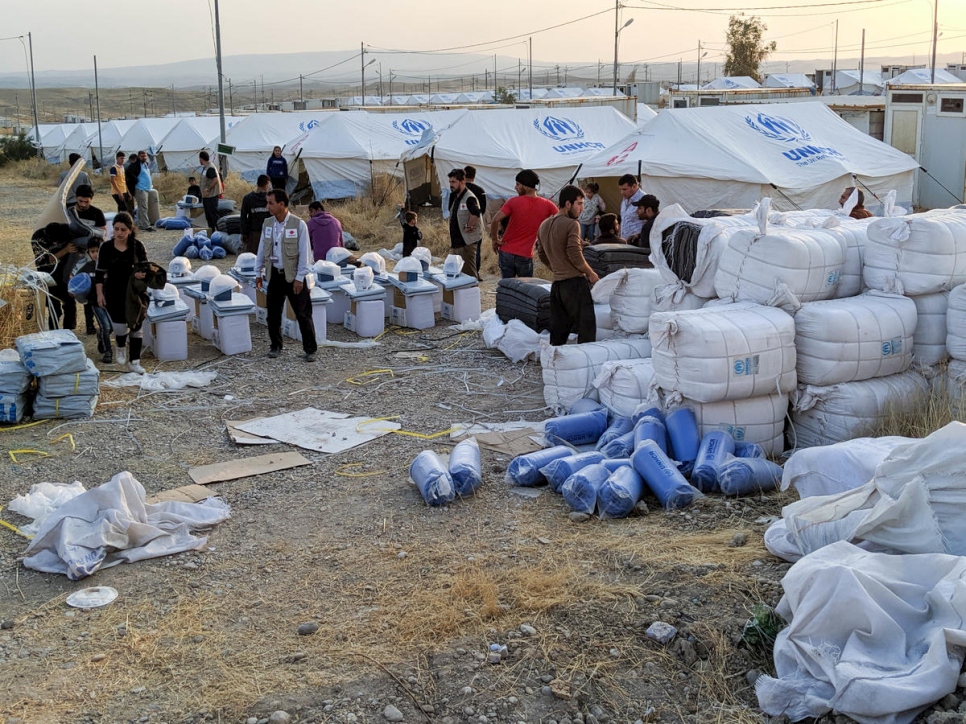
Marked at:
<point>731,156</point>
<point>79,141</point>
<point>602,93</point>
<point>52,142</point>
<point>256,135</point>
<point>923,76</point>
<point>644,114</point>
<point>347,149</point>
<point>111,134</point>
<point>179,148</point>
<point>564,93</point>
<point>500,142</point>
<point>146,135</point>
<point>731,83</point>
<point>788,80</point>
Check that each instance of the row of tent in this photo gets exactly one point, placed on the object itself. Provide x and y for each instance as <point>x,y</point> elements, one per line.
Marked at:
<point>844,79</point>
<point>725,156</point>
<point>480,97</point>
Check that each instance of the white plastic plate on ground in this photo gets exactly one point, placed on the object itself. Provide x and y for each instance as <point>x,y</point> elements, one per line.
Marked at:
<point>93,597</point>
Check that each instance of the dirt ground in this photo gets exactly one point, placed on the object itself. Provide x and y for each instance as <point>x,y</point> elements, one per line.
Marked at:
<point>407,599</point>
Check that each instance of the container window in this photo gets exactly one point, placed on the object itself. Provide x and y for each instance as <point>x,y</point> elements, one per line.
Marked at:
<point>907,97</point>
<point>951,105</point>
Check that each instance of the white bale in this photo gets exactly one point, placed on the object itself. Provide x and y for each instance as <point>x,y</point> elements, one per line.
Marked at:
<point>755,419</point>
<point>956,323</point>
<point>844,340</point>
<point>569,370</point>
<point>631,299</point>
<point>832,469</point>
<point>780,264</point>
<point>929,341</point>
<point>826,415</point>
<point>604,316</point>
<point>724,352</point>
<point>917,254</point>
<point>622,385</point>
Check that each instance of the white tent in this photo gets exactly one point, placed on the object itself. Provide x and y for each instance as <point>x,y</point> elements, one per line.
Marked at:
<point>602,93</point>
<point>475,97</point>
<point>146,135</point>
<point>180,146</point>
<point>523,94</point>
<point>256,135</point>
<point>44,127</point>
<point>52,142</point>
<point>444,99</point>
<point>357,101</point>
<point>418,99</point>
<point>501,142</point>
<point>923,76</point>
<point>787,80</point>
<point>343,153</point>
<point>644,114</point>
<point>731,156</point>
<point>79,141</point>
<point>847,83</point>
<point>564,93</point>
<point>731,83</point>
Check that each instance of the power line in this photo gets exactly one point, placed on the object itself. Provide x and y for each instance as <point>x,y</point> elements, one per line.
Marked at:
<point>768,7</point>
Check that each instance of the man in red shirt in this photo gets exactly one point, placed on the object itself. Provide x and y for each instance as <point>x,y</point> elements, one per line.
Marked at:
<point>524,213</point>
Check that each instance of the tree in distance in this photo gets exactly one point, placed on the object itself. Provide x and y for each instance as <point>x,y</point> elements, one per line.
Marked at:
<point>746,49</point>
<point>504,96</point>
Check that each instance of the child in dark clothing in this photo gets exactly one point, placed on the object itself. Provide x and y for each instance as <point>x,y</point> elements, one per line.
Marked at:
<point>411,233</point>
<point>193,188</point>
<point>87,265</point>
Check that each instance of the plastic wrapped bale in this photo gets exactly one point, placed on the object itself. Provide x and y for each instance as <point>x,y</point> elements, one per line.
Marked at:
<point>14,377</point>
<point>845,340</point>
<point>432,478</point>
<point>630,301</point>
<point>929,341</point>
<point>653,429</point>
<point>748,450</point>
<point>57,351</point>
<point>836,468</point>
<point>956,323</point>
<point>584,428</point>
<point>557,471</point>
<point>779,265</point>
<point>12,407</point>
<point>525,469</point>
<point>75,406</point>
<point>618,495</point>
<point>726,352</point>
<point>86,383</point>
<point>746,476</point>
<point>569,370</point>
<point>684,436</point>
<point>465,467</point>
<point>618,427</point>
<point>663,478</point>
<point>917,254</point>
<point>715,448</point>
<point>622,385</point>
<point>619,447</point>
<point>758,420</point>
<point>826,415</point>
<point>580,489</point>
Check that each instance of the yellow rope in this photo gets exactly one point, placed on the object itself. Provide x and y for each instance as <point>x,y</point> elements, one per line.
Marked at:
<point>420,435</point>
<point>13,453</point>
<point>357,380</point>
<point>341,471</point>
<point>14,528</point>
<point>70,439</point>
<point>21,427</point>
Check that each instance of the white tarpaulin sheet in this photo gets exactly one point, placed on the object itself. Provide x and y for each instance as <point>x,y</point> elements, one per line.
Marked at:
<point>319,430</point>
<point>552,142</point>
<point>180,146</point>
<point>872,636</point>
<point>915,503</point>
<point>255,136</point>
<point>111,524</point>
<point>729,156</point>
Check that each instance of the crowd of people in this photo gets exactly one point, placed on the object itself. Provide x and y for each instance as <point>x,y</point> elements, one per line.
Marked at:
<point>285,245</point>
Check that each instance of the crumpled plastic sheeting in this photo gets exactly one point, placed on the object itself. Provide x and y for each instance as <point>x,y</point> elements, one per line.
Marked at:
<point>915,503</point>
<point>41,500</point>
<point>828,469</point>
<point>163,380</point>
<point>111,524</point>
<point>873,636</point>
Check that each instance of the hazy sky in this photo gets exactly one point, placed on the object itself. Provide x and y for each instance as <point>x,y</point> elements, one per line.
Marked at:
<point>66,34</point>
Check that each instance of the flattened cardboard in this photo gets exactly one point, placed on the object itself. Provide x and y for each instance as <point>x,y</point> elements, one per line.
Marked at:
<point>184,494</point>
<point>319,430</point>
<point>246,467</point>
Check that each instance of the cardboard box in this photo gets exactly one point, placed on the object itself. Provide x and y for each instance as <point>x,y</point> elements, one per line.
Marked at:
<point>261,301</point>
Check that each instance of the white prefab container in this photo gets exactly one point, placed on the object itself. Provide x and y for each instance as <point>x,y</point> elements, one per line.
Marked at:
<point>956,323</point>
<point>844,340</point>
<point>366,317</point>
<point>169,340</point>
<point>826,415</point>
<point>569,370</point>
<point>780,265</point>
<point>929,341</point>
<point>917,254</point>
<point>724,352</point>
<point>755,419</point>
<point>631,300</point>
<point>461,305</point>
<point>624,384</point>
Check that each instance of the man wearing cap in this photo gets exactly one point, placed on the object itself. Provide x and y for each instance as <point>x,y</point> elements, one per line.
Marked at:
<point>647,208</point>
<point>285,253</point>
<point>465,222</point>
<point>119,184</point>
<point>524,213</point>
<point>631,223</point>
<point>560,248</point>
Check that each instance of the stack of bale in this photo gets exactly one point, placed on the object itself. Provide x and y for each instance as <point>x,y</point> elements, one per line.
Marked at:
<point>68,383</point>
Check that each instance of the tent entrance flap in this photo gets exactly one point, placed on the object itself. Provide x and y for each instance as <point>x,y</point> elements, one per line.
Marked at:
<point>422,185</point>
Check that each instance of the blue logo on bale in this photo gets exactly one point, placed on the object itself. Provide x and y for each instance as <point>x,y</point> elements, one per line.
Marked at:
<point>746,366</point>
<point>833,278</point>
<point>308,125</point>
<point>568,133</point>
<point>891,347</point>
<point>778,128</point>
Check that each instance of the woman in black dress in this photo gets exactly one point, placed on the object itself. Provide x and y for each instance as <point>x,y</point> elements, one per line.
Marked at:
<point>115,264</point>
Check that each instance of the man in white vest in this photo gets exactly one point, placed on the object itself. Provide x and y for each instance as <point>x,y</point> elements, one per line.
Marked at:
<point>283,259</point>
<point>465,223</point>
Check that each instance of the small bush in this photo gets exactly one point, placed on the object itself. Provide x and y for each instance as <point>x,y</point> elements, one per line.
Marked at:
<point>15,148</point>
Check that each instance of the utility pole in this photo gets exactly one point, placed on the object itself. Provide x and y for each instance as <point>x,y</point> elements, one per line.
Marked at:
<point>33,94</point>
<point>144,101</point>
<point>530,68</point>
<point>835,57</point>
<point>255,94</point>
<point>935,37</point>
<point>496,80</point>
<point>97,96</point>
<point>231,102</point>
<point>301,97</point>
<point>862,66</point>
<point>362,62</point>
<point>223,160</point>
<point>90,101</point>
<point>174,112</point>
<point>699,65</point>
<point>558,74</point>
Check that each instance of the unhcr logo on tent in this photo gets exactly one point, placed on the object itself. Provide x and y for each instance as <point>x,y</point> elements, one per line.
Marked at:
<point>412,127</point>
<point>787,131</point>
<point>567,132</point>
<point>308,125</point>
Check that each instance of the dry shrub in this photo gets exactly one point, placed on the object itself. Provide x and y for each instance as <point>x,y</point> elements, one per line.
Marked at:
<point>24,310</point>
<point>37,169</point>
<point>935,411</point>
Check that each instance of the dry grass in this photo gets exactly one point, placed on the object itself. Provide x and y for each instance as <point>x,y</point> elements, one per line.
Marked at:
<point>936,410</point>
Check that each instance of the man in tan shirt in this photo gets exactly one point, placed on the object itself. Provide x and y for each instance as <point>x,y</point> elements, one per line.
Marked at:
<point>122,196</point>
<point>559,248</point>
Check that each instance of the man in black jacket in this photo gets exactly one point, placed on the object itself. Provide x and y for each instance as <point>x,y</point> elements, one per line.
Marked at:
<point>480,195</point>
<point>254,211</point>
